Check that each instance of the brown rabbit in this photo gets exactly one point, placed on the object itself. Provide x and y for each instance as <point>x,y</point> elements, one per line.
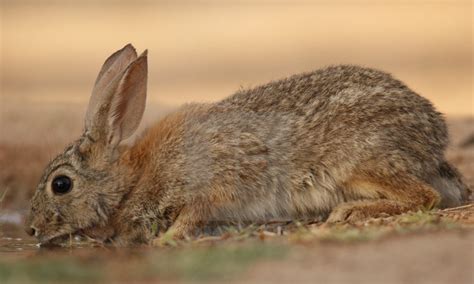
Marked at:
<point>345,142</point>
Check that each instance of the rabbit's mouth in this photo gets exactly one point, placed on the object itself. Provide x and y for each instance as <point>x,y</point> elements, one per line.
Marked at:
<point>77,238</point>
<point>57,240</point>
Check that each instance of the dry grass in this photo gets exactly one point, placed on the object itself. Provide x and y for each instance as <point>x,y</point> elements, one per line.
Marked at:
<point>459,218</point>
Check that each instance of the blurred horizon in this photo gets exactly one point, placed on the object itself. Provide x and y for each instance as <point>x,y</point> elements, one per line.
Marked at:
<point>201,51</point>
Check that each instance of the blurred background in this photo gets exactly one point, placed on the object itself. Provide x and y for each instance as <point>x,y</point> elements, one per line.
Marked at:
<point>51,52</point>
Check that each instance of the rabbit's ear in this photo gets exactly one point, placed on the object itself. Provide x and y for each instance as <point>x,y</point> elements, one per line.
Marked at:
<point>120,105</point>
<point>128,101</point>
<point>112,67</point>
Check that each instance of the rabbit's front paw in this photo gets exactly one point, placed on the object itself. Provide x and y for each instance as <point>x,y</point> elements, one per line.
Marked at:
<point>169,238</point>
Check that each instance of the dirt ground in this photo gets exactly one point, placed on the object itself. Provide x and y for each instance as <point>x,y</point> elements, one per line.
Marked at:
<point>443,257</point>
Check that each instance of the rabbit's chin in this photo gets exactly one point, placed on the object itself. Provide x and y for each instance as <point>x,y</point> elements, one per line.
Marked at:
<point>88,236</point>
<point>59,240</point>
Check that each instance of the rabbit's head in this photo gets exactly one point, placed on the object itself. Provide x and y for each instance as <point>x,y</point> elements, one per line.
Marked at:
<point>82,187</point>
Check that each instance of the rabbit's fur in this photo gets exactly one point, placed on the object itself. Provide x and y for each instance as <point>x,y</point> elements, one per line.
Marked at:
<point>345,142</point>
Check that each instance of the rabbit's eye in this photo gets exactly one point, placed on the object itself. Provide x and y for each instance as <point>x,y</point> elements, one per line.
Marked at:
<point>61,184</point>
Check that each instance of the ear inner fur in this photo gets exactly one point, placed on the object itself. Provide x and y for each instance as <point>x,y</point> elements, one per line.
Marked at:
<point>128,102</point>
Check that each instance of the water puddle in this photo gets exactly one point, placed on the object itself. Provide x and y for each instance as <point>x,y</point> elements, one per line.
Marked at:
<point>16,245</point>
<point>13,240</point>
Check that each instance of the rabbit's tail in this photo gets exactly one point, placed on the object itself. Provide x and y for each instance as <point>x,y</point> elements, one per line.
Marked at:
<point>449,184</point>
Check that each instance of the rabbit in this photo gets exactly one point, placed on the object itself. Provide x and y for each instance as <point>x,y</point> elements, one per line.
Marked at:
<point>342,143</point>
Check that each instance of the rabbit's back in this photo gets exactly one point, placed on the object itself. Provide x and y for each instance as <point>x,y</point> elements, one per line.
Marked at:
<point>347,111</point>
<point>287,147</point>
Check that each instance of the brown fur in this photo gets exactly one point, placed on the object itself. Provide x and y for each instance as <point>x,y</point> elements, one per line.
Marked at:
<point>345,142</point>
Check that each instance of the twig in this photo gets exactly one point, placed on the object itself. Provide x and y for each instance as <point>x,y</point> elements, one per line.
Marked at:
<point>208,239</point>
<point>458,208</point>
<point>268,234</point>
<point>275,221</point>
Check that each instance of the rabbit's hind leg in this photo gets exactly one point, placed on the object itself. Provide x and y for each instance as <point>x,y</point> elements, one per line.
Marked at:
<point>378,195</point>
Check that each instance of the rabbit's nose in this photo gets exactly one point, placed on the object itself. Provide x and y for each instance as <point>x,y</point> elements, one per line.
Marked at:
<point>31,231</point>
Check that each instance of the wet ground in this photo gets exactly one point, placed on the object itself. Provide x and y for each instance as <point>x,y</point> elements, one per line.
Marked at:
<point>13,240</point>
